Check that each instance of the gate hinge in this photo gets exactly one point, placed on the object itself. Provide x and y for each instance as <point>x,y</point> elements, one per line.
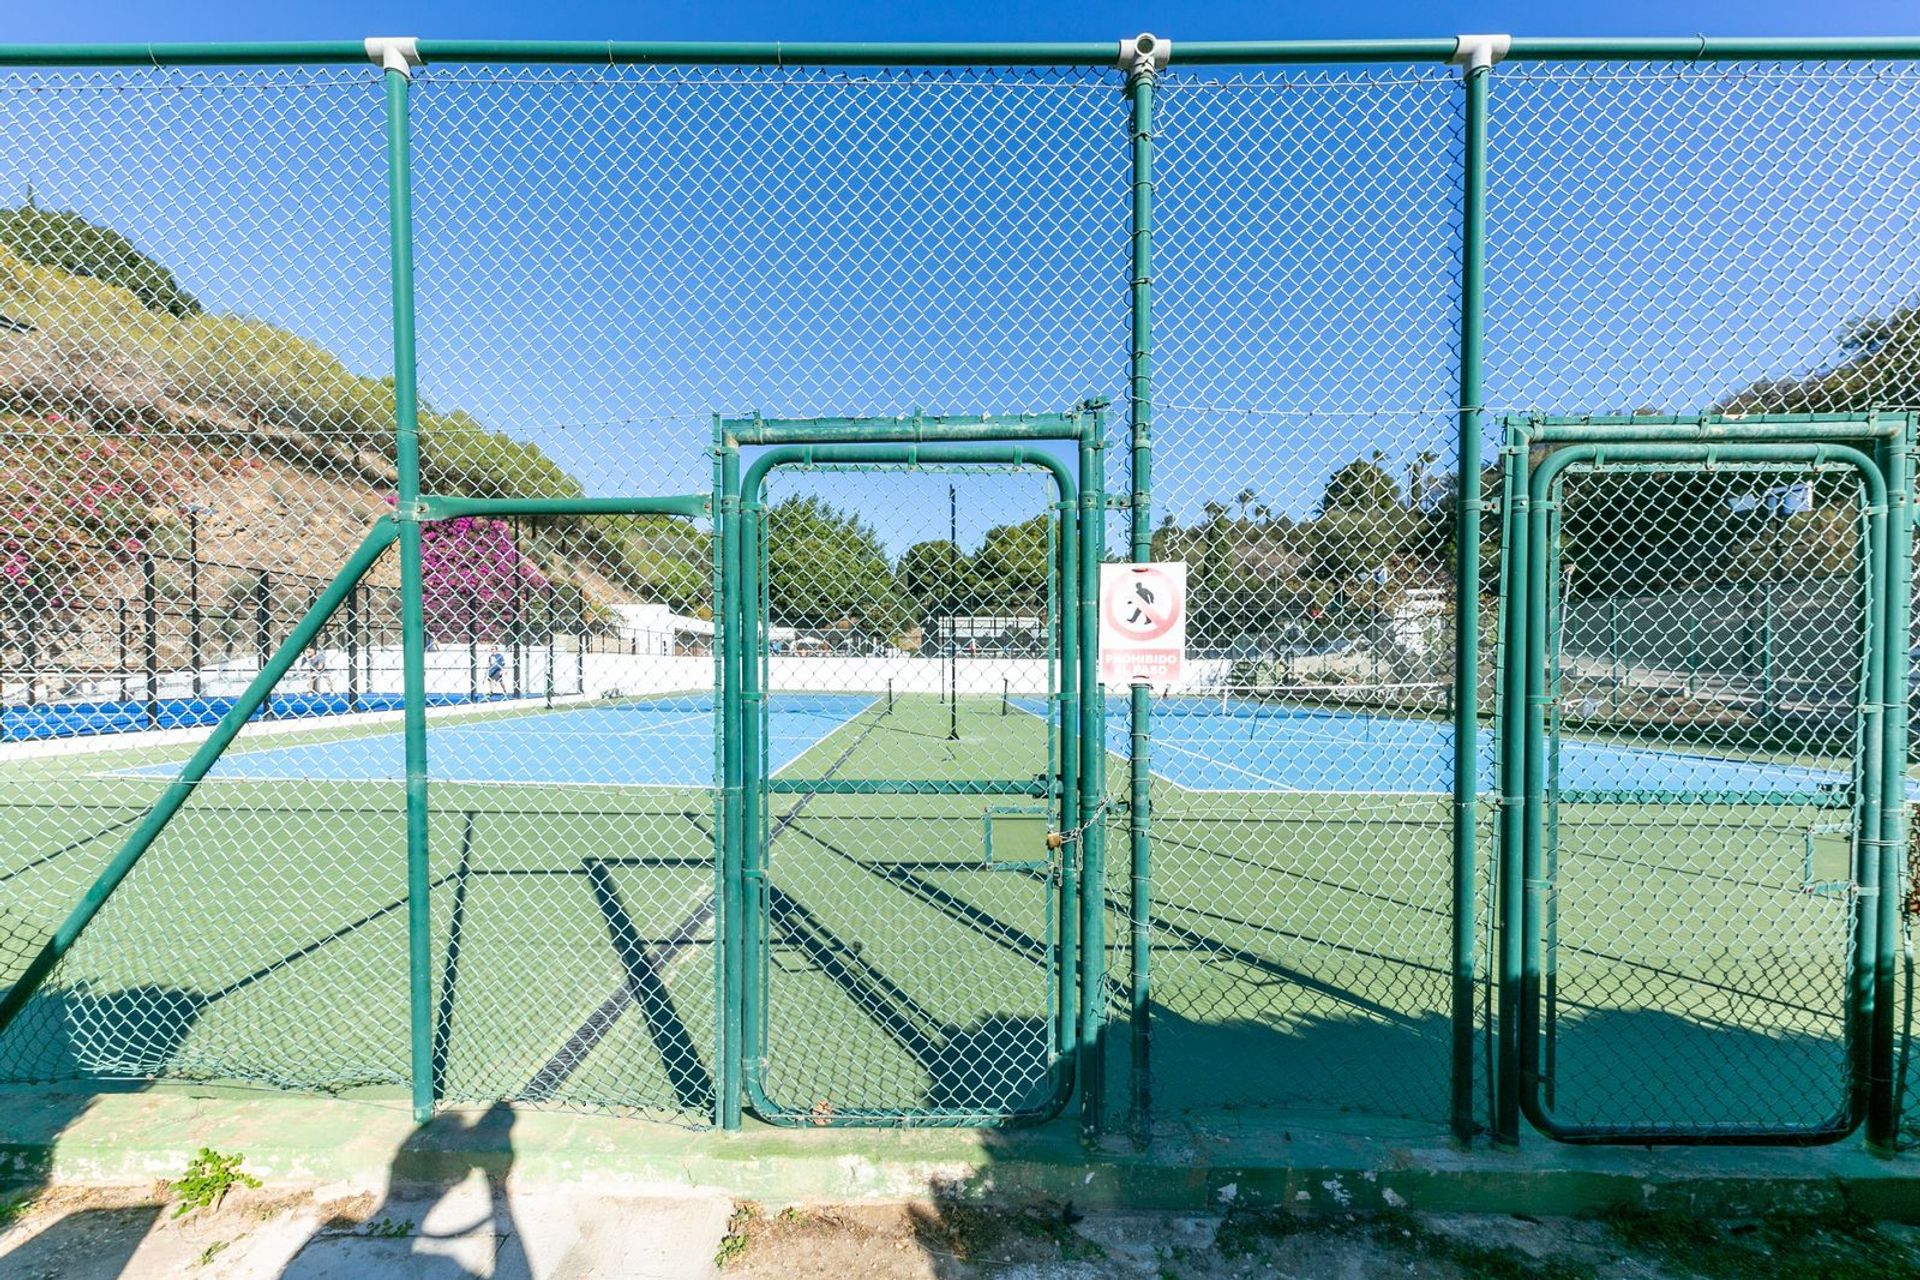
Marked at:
<point>1119,502</point>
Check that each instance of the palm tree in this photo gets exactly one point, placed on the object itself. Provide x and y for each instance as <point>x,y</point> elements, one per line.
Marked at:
<point>1419,477</point>
<point>1243,497</point>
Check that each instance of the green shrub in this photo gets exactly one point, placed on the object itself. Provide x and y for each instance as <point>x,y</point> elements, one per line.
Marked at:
<point>53,238</point>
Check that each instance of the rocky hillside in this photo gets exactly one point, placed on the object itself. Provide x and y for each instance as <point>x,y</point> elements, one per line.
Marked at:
<point>125,404</point>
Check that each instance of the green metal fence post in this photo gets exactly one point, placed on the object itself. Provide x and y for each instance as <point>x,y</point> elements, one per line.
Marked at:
<point>1883,1117</point>
<point>397,59</point>
<point>750,602</point>
<point>1140,85</point>
<point>728,897</point>
<point>1511,874</point>
<point>1476,55</point>
<point>1093,787</point>
<point>1070,757</point>
<point>1528,887</point>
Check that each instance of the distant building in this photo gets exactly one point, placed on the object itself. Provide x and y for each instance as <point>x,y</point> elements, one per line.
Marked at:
<point>1000,635</point>
<point>657,630</point>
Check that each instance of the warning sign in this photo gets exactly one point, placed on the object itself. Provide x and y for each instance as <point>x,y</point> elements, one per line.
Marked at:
<point>1143,623</point>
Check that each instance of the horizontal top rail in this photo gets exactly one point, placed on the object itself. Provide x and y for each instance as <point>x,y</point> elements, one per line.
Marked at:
<point>1655,429</point>
<point>909,429</point>
<point>434,507</point>
<point>1096,53</point>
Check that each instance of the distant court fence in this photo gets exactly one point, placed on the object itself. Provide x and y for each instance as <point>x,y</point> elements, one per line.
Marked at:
<point>623,523</point>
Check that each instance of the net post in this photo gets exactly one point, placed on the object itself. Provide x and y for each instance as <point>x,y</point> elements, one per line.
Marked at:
<point>397,57</point>
<point>1476,56</point>
<point>1149,56</point>
<point>120,649</point>
<point>353,650</point>
<point>150,633</point>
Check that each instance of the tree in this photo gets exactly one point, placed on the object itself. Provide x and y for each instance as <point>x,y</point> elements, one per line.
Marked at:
<point>826,567</point>
<point>1361,485</point>
<point>1356,542</point>
<point>931,574</point>
<point>1879,366</point>
<point>1013,567</point>
<point>1824,542</point>
<point>667,560</point>
<point>67,241</point>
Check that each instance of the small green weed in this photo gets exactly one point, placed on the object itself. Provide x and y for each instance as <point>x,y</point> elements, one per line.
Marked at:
<point>390,1228</point>
<point>209,1176</point>
<point>13,1208</point>
<point>213,1251</point>
<point>733,1245</point>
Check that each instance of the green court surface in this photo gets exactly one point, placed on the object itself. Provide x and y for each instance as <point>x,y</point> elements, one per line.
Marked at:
<point>1301,944</point>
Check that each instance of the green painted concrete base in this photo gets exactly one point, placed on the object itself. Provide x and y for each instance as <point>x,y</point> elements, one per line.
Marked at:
<point>1312,1165</point>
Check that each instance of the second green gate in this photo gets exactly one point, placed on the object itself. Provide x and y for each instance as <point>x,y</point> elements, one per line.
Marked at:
<point>1704,629</point>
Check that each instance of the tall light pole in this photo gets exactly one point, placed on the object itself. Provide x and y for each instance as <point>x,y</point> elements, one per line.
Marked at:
<point>953,616</point>
<point>193,511</point>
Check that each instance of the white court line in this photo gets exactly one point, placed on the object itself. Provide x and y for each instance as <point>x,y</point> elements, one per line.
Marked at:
<point>1274,784</point>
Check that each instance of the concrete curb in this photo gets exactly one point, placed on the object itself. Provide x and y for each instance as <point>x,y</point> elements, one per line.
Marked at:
<point>118,1138</point>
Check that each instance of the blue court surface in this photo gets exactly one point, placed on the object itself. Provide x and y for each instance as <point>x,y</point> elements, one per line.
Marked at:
<point>83,719</point>
<point>666,742</point>
<point>1201,745</point>
<point>1197,744</point>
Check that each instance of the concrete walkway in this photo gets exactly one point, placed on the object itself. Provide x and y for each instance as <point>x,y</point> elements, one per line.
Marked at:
<point>351,1187</point>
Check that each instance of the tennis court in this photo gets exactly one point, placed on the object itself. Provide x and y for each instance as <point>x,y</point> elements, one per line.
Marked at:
<point>1301,910</point>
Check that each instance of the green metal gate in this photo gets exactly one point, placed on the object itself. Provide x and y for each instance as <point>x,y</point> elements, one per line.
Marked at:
<point>1699,774</point>
<point>908,857</point>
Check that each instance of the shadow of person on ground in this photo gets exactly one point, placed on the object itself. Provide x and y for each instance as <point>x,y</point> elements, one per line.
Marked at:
<point>59,1043</point>
<point>445,1215</point>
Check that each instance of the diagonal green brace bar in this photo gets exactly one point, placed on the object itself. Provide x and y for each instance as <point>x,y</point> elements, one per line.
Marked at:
<point>304,632</point>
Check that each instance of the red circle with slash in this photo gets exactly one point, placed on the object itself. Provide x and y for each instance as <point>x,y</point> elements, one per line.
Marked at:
<point>1160,616</point>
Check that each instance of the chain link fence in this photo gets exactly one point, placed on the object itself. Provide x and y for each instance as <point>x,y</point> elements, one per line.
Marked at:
<point>198,417</point>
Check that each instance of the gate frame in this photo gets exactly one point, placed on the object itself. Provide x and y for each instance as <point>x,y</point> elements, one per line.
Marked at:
<point>906,442</point>
<point>1880,764</point>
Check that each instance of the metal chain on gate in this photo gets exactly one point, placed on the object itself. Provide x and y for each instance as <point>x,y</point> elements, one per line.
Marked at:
<point>1057,840</point>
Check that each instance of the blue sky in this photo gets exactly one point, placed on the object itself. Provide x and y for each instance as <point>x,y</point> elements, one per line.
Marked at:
<point>601,267</point>
<point>991,19</point>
